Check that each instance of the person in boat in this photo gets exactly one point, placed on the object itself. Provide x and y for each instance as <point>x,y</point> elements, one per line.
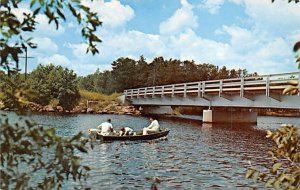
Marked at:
<point>106,128</point>
<point>126,131</point>
<point>153,127</point>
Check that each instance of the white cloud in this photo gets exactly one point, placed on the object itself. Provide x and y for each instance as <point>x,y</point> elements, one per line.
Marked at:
<point>278,18</point>
<point>45,45</point>
<point>257,48</point>
<point>56,59</point>
<point>184,18</point>
<point>45,29</point>
<point>212,6</point>
<point>113,13</point>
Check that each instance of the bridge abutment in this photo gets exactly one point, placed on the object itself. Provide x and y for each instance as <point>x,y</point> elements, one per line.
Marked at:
<point>218,116</point>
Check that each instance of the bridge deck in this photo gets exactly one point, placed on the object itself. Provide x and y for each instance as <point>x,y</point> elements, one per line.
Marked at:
<point>266,85</point>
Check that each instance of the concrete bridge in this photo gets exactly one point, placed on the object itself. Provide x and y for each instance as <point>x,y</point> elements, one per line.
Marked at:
<point>264,91</point>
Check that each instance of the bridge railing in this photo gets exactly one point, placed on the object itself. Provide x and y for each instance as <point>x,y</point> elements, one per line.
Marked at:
<point>263,84</point>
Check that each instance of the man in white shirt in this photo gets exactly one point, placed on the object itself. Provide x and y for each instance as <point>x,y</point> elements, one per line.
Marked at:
<point>106,128</point>
<point>153,127</point>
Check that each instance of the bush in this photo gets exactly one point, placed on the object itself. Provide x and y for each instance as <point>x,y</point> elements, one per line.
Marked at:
<point>87,95</point>
<point>55,82</point>
<point>285,172</point>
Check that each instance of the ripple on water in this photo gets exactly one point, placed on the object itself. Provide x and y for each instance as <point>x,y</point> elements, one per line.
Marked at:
<point>193,157</point>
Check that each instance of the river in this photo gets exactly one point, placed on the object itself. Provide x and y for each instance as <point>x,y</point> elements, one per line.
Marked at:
<point>194,156</point>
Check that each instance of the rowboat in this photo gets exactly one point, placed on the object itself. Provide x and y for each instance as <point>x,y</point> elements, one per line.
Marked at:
<point>151,136</point>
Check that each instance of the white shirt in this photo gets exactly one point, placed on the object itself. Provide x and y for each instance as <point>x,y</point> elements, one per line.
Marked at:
<point>105,128</point>
<point>127,129</point>
<point>154,125</point>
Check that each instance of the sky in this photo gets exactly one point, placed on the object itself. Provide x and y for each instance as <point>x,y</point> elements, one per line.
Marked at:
<point>253,34</point>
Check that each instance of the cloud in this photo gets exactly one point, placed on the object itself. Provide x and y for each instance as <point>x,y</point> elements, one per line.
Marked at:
<point>113,13</point>
<point>55,59</point>
<point>278,18</point>
<point>45,45</point>
<point>256,46</point>
<point>212,6</point>
<point>45,29</point>
<point>184,18</point>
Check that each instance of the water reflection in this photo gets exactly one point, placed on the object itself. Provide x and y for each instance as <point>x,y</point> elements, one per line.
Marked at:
<point>195,155</point>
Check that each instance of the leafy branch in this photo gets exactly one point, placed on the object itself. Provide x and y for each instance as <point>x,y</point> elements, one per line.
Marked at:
<point>285,172</point>
<point>14,29</point>
<point>28,149</point>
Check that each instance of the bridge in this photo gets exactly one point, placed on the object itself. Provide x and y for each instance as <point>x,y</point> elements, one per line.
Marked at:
<point>264,91</point>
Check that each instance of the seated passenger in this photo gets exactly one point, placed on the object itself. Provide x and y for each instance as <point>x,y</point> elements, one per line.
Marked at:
<point>106,128</point>
<point>126,131</point>
<point>153,127</point>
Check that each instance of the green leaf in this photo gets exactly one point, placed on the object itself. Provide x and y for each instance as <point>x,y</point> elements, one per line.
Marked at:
<point>50,132</point>
<point>249,173</point>
<point>60,14</point>
<point>36,11</point>
<point>276,167</point>
<point>277,184</point>
<point>269,134</point>
<point>296,46</point>
<point>72,10</point>
<point>42,2</point>
<point>270,183</point>
<point>32,3</point>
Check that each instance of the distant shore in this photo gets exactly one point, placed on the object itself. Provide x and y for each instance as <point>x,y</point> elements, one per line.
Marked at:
<point>118,109</point>
<point>112,108</point>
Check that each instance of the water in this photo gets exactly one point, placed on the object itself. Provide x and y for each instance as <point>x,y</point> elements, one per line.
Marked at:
<point>195,155</point>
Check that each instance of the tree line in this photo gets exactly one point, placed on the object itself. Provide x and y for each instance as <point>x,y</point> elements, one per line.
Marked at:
<point>48,83</point>
<point>129,73</point>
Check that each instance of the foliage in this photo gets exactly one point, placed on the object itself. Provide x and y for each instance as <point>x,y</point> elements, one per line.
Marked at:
<point>97,82</point>
<point>15,93</point>
<point>296,49</point>
<point>129,73</point>
<point>294,86</point>
<point>15,30</point>
<point>296,1</point>
<point>54,102</point>
<point>28,150</point>
<point>285,172</point>
<point>54,82</point>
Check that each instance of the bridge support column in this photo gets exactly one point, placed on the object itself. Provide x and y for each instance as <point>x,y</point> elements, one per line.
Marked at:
<point>157,110</point>
<point>217,116</point>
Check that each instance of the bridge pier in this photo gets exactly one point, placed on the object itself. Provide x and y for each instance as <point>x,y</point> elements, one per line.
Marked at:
<point>218,116</point>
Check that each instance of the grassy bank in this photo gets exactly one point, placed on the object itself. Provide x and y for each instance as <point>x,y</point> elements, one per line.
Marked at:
<point>102,101</point>
<point>87,95</point>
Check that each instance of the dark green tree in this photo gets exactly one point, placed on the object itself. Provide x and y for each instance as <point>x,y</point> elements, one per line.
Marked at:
<point>123,73</point>
<point>51,82</point>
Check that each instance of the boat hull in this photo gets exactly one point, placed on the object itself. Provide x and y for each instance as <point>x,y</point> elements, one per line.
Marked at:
<point>134,137</point>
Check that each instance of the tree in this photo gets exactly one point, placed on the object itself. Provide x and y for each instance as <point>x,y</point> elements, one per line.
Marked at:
<point>223,73</point>
<point>14,30</point>
<point>54,82</point>
<point>123,73</point>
